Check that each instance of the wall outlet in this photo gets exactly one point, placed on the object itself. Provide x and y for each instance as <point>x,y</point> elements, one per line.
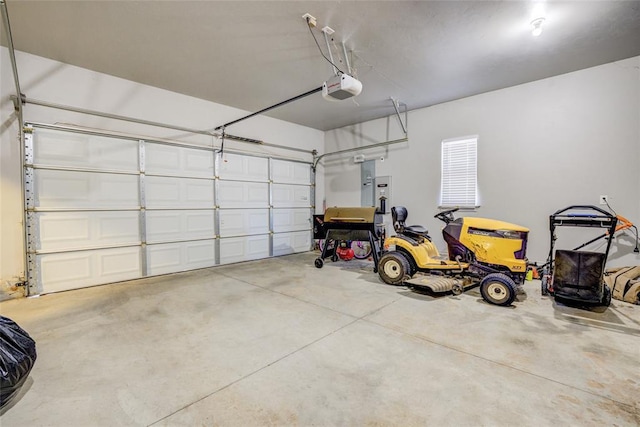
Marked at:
<point>604,199</point>
<point>310,20</point>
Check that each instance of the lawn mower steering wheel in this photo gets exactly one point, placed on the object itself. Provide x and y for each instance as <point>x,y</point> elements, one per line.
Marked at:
<point>446,216</point>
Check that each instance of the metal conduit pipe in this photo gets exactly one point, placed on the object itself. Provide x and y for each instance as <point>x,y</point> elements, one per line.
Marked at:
<point>12,55</point>
<point>114,116</point>
<point>366,147</point>
<point>405,127</point>
<point>346,58</point>
<point>18,101</point>
<point>157,124</point>
<point>396,103</point>
<point>90,131</point>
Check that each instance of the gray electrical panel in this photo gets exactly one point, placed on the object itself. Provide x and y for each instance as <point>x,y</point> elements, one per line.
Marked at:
<point>367,180</point>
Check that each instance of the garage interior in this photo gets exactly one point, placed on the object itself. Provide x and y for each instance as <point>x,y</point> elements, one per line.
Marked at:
<point>157,235</point>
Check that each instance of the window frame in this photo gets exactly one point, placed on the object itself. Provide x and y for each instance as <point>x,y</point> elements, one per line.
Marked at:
<point>470,172</point>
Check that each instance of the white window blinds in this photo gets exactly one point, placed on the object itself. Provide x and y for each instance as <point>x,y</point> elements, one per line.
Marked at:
<point>459,173</point>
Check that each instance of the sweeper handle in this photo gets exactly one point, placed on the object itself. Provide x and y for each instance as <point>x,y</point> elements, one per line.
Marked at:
<point>623,224</point>
<point>582,207</point>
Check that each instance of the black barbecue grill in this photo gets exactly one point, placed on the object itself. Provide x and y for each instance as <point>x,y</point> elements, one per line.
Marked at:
<point>350,224</point>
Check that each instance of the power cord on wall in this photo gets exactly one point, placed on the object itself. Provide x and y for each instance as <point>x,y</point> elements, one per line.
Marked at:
<point>636,249</point>
<point>320,49</point>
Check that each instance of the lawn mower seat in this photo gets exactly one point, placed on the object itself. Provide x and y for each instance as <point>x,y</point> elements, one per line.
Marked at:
<point>399,215</point>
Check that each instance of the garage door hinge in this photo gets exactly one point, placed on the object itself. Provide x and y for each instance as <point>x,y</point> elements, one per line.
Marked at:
<point>21,285</point>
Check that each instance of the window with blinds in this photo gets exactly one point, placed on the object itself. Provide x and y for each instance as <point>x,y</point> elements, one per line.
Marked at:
<point>459,177</point>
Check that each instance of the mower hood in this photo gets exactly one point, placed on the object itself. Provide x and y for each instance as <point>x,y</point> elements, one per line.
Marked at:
<point>493,224</point>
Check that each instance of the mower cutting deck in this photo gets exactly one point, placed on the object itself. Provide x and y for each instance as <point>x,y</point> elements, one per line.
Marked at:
<point>439,284</point>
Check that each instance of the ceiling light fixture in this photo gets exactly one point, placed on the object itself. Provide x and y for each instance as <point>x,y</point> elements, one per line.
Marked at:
<point>537,26</point>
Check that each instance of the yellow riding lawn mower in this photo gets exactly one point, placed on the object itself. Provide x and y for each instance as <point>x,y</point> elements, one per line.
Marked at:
<point>482,251</point>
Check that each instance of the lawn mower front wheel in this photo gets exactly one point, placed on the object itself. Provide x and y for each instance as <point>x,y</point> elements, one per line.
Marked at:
<point>393,268</point>
<point>498,289</point>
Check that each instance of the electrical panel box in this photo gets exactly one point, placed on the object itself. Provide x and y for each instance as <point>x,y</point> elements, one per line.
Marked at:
<point>367,180</point>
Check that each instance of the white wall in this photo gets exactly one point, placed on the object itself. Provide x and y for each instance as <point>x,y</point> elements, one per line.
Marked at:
<point>55,82</point>
<point>542,146</point>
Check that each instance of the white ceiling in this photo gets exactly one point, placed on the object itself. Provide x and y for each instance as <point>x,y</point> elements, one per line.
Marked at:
<point>253,54</point>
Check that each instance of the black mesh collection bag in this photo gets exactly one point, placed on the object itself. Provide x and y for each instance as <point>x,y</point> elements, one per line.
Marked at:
<point>17,356</point>
<point>578,275</point>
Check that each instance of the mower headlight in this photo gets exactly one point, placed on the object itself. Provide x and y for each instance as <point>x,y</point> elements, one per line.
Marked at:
<point>509,234</point>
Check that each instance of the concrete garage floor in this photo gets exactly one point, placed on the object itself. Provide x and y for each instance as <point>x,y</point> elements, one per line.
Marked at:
<point>279,342</point>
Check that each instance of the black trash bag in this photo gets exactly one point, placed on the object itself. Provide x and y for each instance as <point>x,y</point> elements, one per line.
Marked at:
<point>17,356</point>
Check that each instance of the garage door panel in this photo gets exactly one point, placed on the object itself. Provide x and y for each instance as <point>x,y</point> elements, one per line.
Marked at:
<point>201,254</point>
<point>174,225</point>
<point>72,270</point>
<point>164,258</point>
<point>236,194</point>
<point>200,191</point>
<point>291,220</point>
<point>56,148</point>
<point>162,191</point>
<point>78,230</point>
<point>62,230</point>
<point>168,192</point>
<point>173,257</point>
<point>164,225</point>
<point>114,263</point>
<point>239,249</point>
<point>238,222</point>
<point>288,243</point>
<point>124,228</point>
<point>256,192</point>
<point>286,172</point>
<point>66,189</point>
<point>244,168</point>
<point>163,159</point>
<point>199,224</point>
<point>290,196</point>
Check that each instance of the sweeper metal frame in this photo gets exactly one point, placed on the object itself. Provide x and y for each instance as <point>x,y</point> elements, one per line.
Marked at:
<point>577,276</point>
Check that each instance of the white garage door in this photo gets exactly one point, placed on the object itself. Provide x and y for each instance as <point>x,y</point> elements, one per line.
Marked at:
<point>291,200</point>
<point>178,195</point>
<point>102,209</point>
